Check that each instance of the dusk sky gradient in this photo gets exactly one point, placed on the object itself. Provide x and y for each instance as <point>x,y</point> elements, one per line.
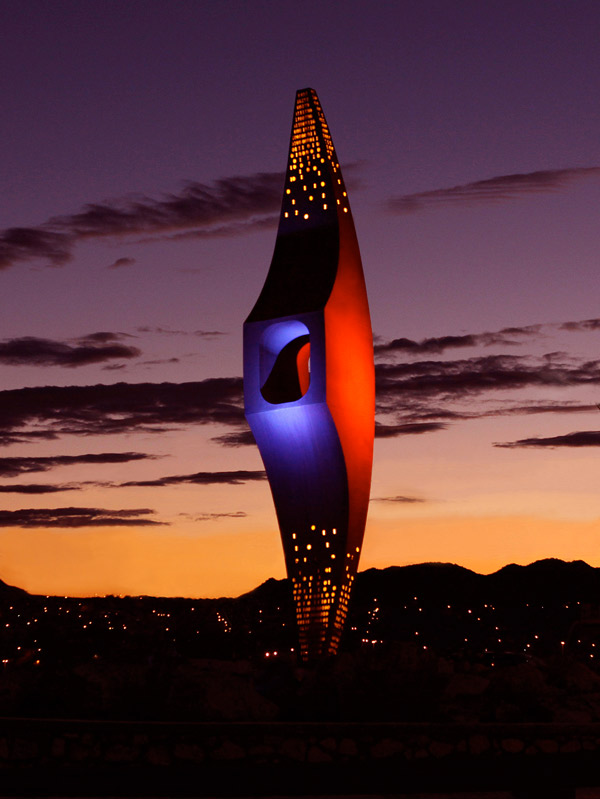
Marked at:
<point>142,160</point>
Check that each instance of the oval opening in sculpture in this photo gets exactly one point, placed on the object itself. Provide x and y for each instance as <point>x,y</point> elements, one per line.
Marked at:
<point>285,362</point>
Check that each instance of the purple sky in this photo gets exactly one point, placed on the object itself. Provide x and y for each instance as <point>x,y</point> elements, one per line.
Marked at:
<point>142,150</point>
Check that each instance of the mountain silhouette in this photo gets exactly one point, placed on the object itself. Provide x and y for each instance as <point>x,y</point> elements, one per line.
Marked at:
<point>551,578</point>
<point>548,579</point>
<point>8,592</point>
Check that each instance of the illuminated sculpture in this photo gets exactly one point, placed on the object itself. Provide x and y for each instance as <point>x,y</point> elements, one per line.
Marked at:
<point>309,384</point>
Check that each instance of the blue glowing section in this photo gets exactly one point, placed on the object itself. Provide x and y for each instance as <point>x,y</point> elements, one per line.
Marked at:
<point>305,466</point>
<point>277,335</point>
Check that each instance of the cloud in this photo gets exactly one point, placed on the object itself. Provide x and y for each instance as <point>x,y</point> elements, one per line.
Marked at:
<point>121,262</point>
<point>102,337</point>
<point>242,438</point>
<point>506,337</point>
<point>584,438</point>
<point>208,333</point>
<point>436,392</point>
<point>496,189</point>
<point>545,407</point>
<point>9,467</point>
<point>77,517</point>
<point>406,429</point>
<point>437,345</point>
<point>211,517</point>
<point>168,332</point>
<point>235,477</point>
<point>160,361</point>
<point>201,478</point>
<point>28,244</point>
<point>584,325</point>
<point>120,407</point>
<point>401,499</point>
<point>38,488</point>
<point>472,376</point>
<point>228,206</point>
<point>30,351</point>
<point>8,437</point>
<point>422,411</point>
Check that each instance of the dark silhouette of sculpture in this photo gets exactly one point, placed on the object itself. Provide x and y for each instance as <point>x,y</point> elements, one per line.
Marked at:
<point>309,383</point>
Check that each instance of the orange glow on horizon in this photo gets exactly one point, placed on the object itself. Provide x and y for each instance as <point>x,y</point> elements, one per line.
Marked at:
<point>137,562</point>
<point>161,563</point>
<point>481,543</point>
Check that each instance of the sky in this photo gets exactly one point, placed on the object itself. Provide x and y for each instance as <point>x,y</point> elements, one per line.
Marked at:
<point>142,160</point>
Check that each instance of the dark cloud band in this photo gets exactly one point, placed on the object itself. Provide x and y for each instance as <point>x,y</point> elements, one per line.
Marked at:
<point>226,207</point>
<point>201,478</point>
<point>399,499</point>
<point>10,467</point>
<point>77,517</point>
<point>30,351</point>
<point>583,438</point>
<point>406,429</point>
<point>510,336</point>
<point>38,488</point>
<point>497,189</point>
<point>119,408</point>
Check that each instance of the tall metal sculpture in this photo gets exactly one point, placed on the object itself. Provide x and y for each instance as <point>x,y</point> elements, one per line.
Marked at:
<point>309,384</point>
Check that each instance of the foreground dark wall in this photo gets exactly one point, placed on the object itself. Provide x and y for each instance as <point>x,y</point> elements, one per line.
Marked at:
<point>91,758</point>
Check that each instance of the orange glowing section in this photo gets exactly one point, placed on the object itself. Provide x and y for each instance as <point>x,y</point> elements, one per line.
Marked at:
<point>303,366</point>
<point>351,376</point>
